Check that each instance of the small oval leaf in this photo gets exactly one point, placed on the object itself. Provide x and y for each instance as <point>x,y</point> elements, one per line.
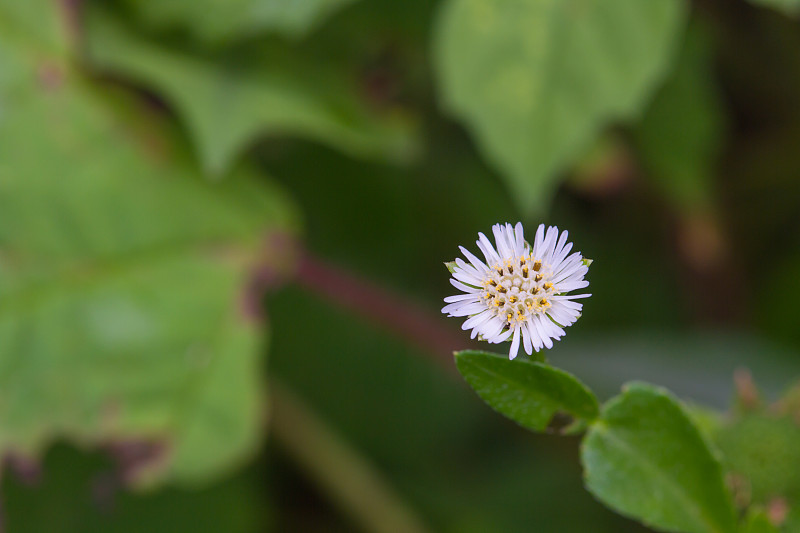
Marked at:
<point>529,393</point>
<point>646,459</point>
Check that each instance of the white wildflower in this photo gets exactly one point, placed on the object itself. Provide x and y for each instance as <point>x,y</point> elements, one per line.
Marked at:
<point>519,293</point>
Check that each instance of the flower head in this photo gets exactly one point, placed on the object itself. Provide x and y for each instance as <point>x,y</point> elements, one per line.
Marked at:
<point>520,291</point>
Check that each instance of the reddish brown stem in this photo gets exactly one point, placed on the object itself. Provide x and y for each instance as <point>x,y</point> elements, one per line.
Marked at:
<point>386,309</point>
<point>71,16</point>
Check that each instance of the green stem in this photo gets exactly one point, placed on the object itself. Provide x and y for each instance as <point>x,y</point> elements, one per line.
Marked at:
<point>349,481</point>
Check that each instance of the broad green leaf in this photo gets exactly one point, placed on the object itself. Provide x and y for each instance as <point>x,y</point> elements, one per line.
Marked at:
<point>680,134</point>
<point>37,23</point>
<point>757,521</point>
<point>215,21</point>
<point>763,450</point>
<point>227,103</point>
<point>790,7</point>
<point>529,393</point>
<point>121,275</point>
<point>536,81</point>
<point>645,458</point>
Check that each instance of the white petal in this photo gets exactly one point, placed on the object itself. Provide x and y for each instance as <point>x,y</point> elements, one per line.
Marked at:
<point>464,309</point>
<point>493,327</point>
<point>460,286</point>
<point>549,242</point>
<point>561,251</point>
<point>500,337</point>
<point>571,286</point>
<point>501,238</point>
<point>537,243</point>
<point>512,352</point>
<point>477,320</point>
<point>526,339</point>
<point>460,275</point>
<point>477,263</point>
<point>469,269</point>
<point>519,240</point>
<point>542,335</point>
<point>567,297</point>
<point>563,315</point>
<point>488,250</point>
<point>460,297</point>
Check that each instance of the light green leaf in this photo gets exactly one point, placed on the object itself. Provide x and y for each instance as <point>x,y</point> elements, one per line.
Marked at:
<point>646,459</point>
<point>121,276</point>
<point>36,23</point>
<point>790,7</point>
<point>757,521</point>
<point>529,393</point>
<point>536,81</point>
<point>681,132</point>
<point>228,103</point>
<point>215,21</point>
<point>763,450</point>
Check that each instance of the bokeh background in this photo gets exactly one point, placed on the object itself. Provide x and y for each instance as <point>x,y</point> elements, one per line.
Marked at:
<point>222,229</point>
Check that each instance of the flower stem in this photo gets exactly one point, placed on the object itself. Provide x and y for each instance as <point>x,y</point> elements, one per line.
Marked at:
<point>351,482</point>
<point>382,307</point>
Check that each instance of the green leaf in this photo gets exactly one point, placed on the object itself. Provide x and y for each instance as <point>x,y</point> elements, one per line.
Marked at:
<point>646,459</point>
<point>78,493</point>
<point>680,134</point>
<point>122,274</point>
<point>229,102</point>
<point>215,21</point>
<point>757,521</point>
<point>536,81</point>
<point>762,449</point>
<point>529,393</point>
<point>36,23</point>
<point>790,7</point>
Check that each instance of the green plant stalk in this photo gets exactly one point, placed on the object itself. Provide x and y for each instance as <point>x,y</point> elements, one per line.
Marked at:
<point>339,471</point>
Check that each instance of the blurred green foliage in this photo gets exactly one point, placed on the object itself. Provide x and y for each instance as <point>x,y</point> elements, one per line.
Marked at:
<point>148,151</point>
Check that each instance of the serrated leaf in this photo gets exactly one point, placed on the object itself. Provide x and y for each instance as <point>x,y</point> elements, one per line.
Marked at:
<point>645,458</point>
<point>121,275</point>
<point>227,103</point>
<point>680,134</point>
<point>536,81</point>
<point>529,393</point>
<point>215,21</point>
